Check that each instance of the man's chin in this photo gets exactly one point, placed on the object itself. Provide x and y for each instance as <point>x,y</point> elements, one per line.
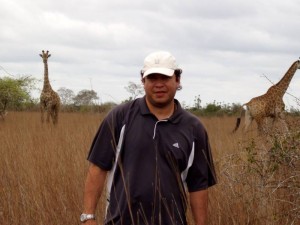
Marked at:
<point>160,102</point>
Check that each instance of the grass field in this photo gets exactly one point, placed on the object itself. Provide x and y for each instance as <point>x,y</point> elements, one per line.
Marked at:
<point>43,169</point>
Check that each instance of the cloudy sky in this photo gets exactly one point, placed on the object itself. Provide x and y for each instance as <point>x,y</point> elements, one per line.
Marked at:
<point>230,50</point>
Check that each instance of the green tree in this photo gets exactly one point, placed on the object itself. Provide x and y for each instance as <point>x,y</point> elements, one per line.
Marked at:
<point>212,108</point>
<point>15,93</point>
<point>85,97</point>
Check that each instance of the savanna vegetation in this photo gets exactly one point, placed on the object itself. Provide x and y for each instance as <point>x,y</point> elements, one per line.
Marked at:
<point>16,95</point>
<point>43,168</point>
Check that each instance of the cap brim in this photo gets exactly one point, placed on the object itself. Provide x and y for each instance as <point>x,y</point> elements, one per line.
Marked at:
<point>164,71</point>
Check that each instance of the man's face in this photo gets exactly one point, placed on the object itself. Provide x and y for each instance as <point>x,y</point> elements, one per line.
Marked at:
<point>160,89</point>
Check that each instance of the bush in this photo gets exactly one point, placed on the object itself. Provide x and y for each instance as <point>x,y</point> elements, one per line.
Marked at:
<point>265,175</point>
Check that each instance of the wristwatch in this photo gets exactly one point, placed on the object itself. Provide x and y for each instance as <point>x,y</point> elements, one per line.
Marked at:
<point>84,217</point>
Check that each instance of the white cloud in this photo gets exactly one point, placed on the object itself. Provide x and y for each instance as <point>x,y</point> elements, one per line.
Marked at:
<point>225,47</point>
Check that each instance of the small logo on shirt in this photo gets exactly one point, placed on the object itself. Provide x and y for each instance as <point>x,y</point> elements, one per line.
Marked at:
<point>176,145</point>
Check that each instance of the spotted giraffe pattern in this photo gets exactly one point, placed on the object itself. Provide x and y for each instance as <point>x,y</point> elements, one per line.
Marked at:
<point>49,99</point>
<point>269,105</point>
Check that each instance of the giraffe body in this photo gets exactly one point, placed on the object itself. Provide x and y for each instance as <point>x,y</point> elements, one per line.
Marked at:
<point>269,105</point>
<point>49,99</point>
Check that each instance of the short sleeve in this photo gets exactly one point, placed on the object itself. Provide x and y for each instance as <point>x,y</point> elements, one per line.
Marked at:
<point>103,148</point>
<point>201,174</point>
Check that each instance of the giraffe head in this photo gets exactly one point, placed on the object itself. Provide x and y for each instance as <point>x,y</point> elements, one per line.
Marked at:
<point>45,55</point>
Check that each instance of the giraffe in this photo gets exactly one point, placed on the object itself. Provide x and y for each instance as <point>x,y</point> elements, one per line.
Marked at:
<point>269,105</point>
<point>49,99</point>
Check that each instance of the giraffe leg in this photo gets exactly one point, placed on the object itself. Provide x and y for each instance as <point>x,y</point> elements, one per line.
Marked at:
<point>56,109</point>
<point>54,115</point>
<point>248,120</point>
<point>268,124</point>
<point>48,114</point>
<point>284,126</point>
<point>49,111</point>
<point>279,123</point>
<point>273,123</point>
<point>48,117</point>
<point>283,122</point>
<point>261,126</point>
<point>42,113</point>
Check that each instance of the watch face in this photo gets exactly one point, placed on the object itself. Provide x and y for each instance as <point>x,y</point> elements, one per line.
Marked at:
<point>82,217</point>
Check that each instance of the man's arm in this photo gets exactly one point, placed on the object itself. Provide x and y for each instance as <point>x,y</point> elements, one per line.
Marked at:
<point>94,185</point>
<point>199,206</point>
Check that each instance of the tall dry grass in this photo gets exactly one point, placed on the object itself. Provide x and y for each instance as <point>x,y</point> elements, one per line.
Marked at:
<point>43,169</point>
<point>259,175</point>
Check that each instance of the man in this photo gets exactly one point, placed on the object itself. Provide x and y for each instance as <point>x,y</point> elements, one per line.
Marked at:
<point>154,151</point>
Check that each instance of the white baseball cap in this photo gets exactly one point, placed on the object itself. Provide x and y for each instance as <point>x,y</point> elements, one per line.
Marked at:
<point>161,62</point>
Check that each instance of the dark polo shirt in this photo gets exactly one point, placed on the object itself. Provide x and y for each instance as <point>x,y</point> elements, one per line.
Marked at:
<point>151,163</point>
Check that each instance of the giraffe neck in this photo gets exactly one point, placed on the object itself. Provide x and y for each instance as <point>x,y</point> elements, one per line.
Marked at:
<point>47,85</point>
<point>283,84</point>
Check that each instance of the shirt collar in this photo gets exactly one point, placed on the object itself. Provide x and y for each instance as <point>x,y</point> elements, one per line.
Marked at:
<point>145,110</point>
